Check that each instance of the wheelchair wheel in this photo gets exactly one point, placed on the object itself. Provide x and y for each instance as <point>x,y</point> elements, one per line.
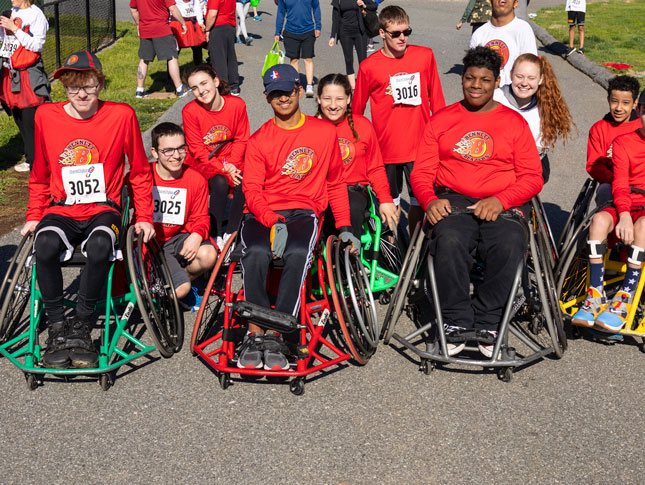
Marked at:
<point>402,287</point>
<point>15,291</point>
<point>155,293</point>
<point>390,254</point>
<point>544,233</point>
<point>577,215</point>
<point>209,310</point>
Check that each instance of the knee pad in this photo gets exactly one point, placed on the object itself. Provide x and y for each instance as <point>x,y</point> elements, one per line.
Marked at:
<point>98,247</point>
<point>635,255</point>
<point>48,246</point>
<point>597,249</point>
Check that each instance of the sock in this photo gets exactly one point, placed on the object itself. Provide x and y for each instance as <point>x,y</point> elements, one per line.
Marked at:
<point>632,275</point>
<point>596,275</point>
<point>139,90</point>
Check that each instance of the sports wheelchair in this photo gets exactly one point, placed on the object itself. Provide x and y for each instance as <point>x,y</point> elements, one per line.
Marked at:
<point>221,320</point>
<point>146,284</point>
<point>531,315</point>
<point>578,214</point>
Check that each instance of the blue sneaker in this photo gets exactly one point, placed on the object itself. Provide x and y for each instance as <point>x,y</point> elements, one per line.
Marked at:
<point>594,305</point>
<point>614,317</point>
<point>192,301</point>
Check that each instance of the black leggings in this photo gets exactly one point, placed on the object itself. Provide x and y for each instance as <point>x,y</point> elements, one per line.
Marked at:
<point>218,189</point>
<point>48,248</point>
<point>24,118</point>
<point>358,211</point>
<point>349,42</point>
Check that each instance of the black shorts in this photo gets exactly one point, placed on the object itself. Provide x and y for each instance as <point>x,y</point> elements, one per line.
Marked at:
<point>395,173</point>
<point>576,18</point>
<point>165,48</point>
<point>73,232</point>
<point>299,46</point>
<point>175,262</point>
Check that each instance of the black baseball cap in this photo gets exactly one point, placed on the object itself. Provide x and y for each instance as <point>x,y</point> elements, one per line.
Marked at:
<point>281,77</point>
<point>80,61</point>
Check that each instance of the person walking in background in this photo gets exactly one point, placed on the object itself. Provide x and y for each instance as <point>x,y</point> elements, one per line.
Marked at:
<point>254,6</point>
<point>220,25</point>
<point>477,13</point>
<point>299,33</point>
<point>156,39</point>
<point>576,16</point>
<point>23,82</point>
<point>191,11</point>
<point>348,26</point>
<point>242,10</point>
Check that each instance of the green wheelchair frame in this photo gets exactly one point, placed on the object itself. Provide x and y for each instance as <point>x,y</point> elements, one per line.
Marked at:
<point>156,306</point>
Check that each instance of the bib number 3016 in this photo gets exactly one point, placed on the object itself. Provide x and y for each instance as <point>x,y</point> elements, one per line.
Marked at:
<point>406,89</point>
<point>169,205</point>
<point>84,184</point>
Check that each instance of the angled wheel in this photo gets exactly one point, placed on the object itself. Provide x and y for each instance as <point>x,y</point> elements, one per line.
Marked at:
<point>391,256</point>
<point>15,291</point>
<point>543,232</point>
<point>155,293</point>
<point>209,310</point>
<point>577,215</point>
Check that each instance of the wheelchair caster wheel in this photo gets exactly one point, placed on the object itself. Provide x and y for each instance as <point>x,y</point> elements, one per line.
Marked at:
<point>32,382</point>
<point>384,298</point>
<point>297,386</point>
<point>505,374</point>
<point>427,366</point>
<point>224,380</point>
<point>105,381</point>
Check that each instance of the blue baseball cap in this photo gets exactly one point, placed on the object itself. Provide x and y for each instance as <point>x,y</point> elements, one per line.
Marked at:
<point>281,77</point>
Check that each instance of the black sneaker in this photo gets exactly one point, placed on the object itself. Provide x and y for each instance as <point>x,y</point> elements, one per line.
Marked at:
<point>571,51</point>
<point>455,343</point>
<point>236,92</point>
<point>184,91</point>
<point>56,355</point>
<point>82,352</point>
<point>141,94</point>
<point>581,51</point>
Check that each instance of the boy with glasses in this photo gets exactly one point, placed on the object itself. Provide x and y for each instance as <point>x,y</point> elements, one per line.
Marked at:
<point>402,83</point>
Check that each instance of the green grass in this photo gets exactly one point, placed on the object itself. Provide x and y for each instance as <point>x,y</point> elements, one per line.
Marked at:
<point>614,32</point>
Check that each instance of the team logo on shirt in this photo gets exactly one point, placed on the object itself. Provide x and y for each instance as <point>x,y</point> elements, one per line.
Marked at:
<point>475,146</point>
<point>501,48</point>
<point>299,163</point>
<point>217,134</point>
<point>610,151</point>
<point>347,150</point>
<point>79,152</point>
<point>388,89</point>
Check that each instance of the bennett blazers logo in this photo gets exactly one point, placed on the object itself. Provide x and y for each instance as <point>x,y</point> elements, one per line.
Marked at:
<point>347,150</point>
<point>501,48</point>
<point>217,134</point>
<point>79,152</point>
<point>475,146</point>
<point>299,163</point>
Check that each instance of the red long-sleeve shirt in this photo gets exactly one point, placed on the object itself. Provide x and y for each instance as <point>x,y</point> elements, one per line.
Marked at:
<point>362,159</point>
<point>195,210</point>
<point>629,169</point>
<point>478,155</point>
<point>299,168</point>
<point>105,138</point>
<point>599,146</point>
<point>206,129</point>
<point>398,127</point>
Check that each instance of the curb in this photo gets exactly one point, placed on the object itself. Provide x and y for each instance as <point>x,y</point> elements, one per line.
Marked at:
<point>598,74</point>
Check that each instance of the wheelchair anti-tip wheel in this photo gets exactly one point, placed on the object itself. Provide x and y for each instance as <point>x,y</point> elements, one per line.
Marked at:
<point>15,291</point>
<point>155,293</point>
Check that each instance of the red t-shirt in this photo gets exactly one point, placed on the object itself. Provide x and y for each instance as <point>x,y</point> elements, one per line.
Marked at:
<point>225,11</point>
<point>629,169</point>
<point>599,147</point>
<point>362,160</point>
<point>399,127</point>
<point>153,17</point>
<point>206,129</point>
<point>478,155</point>
<point>195,210</point>
<point>105,138</point>
<point>295,169</point>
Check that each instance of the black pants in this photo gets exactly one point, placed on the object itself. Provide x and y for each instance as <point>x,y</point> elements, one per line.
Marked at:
<point>218,201</point>
<point>500,244</point>
<point>349,42</point>
<point>24,118</point>
<point>359,202</point>
<point>302,229</point>
<point>221,47</point>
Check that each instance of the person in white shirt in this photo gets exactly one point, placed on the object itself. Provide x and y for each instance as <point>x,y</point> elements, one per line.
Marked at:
<point>194,37</point>
<point>576,15</point>
<point>507,34</point>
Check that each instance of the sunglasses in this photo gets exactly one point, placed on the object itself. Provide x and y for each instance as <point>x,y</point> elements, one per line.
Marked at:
<point>397,33</point>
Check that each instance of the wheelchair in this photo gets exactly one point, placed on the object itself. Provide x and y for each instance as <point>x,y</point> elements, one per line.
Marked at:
<point>531,327</point>
<point>221,321</point>
<point>146,284</point>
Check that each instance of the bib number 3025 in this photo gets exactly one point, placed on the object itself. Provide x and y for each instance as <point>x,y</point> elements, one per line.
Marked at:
<point>84,184</point>
<point>406,89</point>
<point>169,205</point>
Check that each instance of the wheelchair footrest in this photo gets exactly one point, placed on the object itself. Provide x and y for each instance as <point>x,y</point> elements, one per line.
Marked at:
<point>471,334</point>
<point>266,317</point>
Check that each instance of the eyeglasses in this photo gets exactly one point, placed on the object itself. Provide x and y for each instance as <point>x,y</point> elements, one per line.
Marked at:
<point>77,89</point>
<point>279,94</point>
<point>167,152</point>
<point>397,33</point>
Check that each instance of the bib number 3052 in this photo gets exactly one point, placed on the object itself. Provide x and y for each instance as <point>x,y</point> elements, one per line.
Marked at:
<point>406,88</point>
<point>84,184</point>
<point>169,205</point>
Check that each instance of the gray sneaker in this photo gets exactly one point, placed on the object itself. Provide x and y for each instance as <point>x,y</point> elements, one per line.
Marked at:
<point>251,352</point>
<point>274,350</point>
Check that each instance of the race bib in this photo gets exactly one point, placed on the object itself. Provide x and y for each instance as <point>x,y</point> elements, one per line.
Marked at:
<point>84,184</point>
<point>169,205</point>
<point>9,46</point>
<point>406,89</point>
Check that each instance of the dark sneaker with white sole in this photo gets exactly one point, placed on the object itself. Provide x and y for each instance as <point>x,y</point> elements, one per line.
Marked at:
<point>251,352</point>
<point>274,352</point>
<point>82,352</point>
<point>56,354</point>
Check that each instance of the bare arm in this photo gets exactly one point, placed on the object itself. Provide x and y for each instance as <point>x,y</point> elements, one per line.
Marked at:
<point>135,15</point>
<point>174,11</point>
<point>211,16</point>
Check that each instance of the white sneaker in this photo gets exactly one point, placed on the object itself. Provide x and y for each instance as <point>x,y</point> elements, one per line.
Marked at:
<point>309,91</point>
<point>487,349</point>
<point>22,167</point>
<point>454,347</point>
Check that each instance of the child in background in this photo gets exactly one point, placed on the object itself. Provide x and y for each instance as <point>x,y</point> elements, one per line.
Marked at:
<point>576,15</point>
<point>254,6</point>
<point>477,13</point>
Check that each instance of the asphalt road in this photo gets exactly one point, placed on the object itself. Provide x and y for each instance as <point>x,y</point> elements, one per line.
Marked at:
<point>574,420</point>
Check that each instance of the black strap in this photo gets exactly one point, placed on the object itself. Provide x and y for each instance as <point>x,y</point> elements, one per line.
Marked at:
<point>109,202</point>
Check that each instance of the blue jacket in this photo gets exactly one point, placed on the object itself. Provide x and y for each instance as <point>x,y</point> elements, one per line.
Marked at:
<point>299,16</point>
